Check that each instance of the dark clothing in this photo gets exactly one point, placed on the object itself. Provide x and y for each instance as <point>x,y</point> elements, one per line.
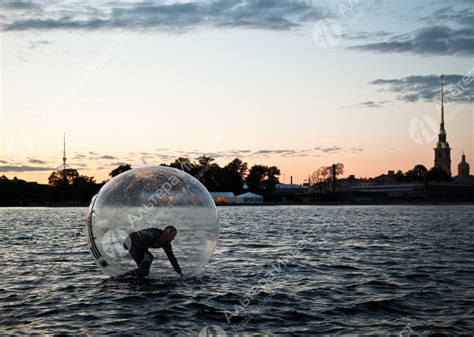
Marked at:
<point>138,243</point>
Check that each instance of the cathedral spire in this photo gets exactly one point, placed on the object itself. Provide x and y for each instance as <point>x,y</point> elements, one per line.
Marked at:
<point>442,102</point>
<point>442,150</point>
<point>442,131</point>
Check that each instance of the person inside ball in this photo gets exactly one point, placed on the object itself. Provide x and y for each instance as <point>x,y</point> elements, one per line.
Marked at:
<point>138,243</point>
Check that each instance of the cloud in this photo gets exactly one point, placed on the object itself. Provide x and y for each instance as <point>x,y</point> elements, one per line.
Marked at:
<point>375,35</point>
<point>139,158</point>
<point>177,16</point>
<point>108,157</point>
<point>371,104</point>
<point>458,88</point>
<point>37,44</point>
<point>462,16</point>
<point>24,168</point>
<point>436,40</point>
<point>450,32</point>
<point>36,161</point>
<point>118,163</point>
<point>101,161</point>
<point>280,152</point>
<point>19,5</point>
<point>76,165</point>
<point>331,149</point>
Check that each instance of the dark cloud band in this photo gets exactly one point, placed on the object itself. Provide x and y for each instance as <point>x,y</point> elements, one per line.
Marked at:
<point>458,88</point>
<point>178,17</point>
<point>451,33</point>
<point>24,168</point>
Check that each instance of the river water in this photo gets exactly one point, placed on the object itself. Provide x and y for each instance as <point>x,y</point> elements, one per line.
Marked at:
<point>283,270</point>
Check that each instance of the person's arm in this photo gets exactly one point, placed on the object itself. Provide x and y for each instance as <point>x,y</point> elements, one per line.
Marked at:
<point>169,252</point>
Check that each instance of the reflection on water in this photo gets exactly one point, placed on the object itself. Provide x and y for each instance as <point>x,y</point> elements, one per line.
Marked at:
<point>293,270</point>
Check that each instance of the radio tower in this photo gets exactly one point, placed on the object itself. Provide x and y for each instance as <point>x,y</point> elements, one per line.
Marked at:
<point>64,154</point>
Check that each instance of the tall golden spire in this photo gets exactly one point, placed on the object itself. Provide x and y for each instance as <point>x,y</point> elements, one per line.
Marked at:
<point>442,102</point>
<point>442,149</point>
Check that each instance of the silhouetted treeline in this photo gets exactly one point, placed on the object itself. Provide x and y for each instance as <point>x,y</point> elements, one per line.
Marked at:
<point>421,174</point>
<point>260,179</point>
<point>70,187</point>
<point>64,188</point>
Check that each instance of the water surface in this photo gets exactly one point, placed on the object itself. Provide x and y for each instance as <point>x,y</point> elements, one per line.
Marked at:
<point>276,270</point>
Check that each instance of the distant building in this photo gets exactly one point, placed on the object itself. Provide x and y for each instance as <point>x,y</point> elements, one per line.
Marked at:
<point>463,171</point>
<point>442,150</point>
<point>384,179</point>
<point>249,198</point>
<point>463,167</point>
<point>223,197</point>
<point>287,188</point>
<point>386,192</point>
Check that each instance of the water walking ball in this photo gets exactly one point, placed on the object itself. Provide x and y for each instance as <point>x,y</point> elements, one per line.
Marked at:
<point>152,197</point>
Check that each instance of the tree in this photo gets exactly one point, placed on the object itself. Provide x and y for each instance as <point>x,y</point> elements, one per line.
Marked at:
<point>69,185</point>
<point>84,188</point>
<point>437,174</point>
<point>322,177</point>
<point>234,175</point>
<point>208,173</point>
<point>400,176</point>
<point>337,170</point>
<point>271,178</point>
<point>63,177</point>
<point>418,173</point>
<point>183,164</point>
<point>120,169</point>
<point>204,161</point>
<point>262,179</point>
<point>238,166</point>
<point>255,177</point>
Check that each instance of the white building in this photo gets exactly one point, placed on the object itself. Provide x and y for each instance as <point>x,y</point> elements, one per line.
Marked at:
<point>249,198</point>
<point>223,197</point>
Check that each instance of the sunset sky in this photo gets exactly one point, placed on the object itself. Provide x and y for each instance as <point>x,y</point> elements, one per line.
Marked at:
<point>297,84</point>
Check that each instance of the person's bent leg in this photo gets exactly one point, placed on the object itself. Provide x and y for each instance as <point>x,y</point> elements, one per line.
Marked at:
<point>145,264</point>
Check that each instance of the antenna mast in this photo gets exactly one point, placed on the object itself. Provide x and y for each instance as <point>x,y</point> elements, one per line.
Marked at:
<point>64,153</point>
